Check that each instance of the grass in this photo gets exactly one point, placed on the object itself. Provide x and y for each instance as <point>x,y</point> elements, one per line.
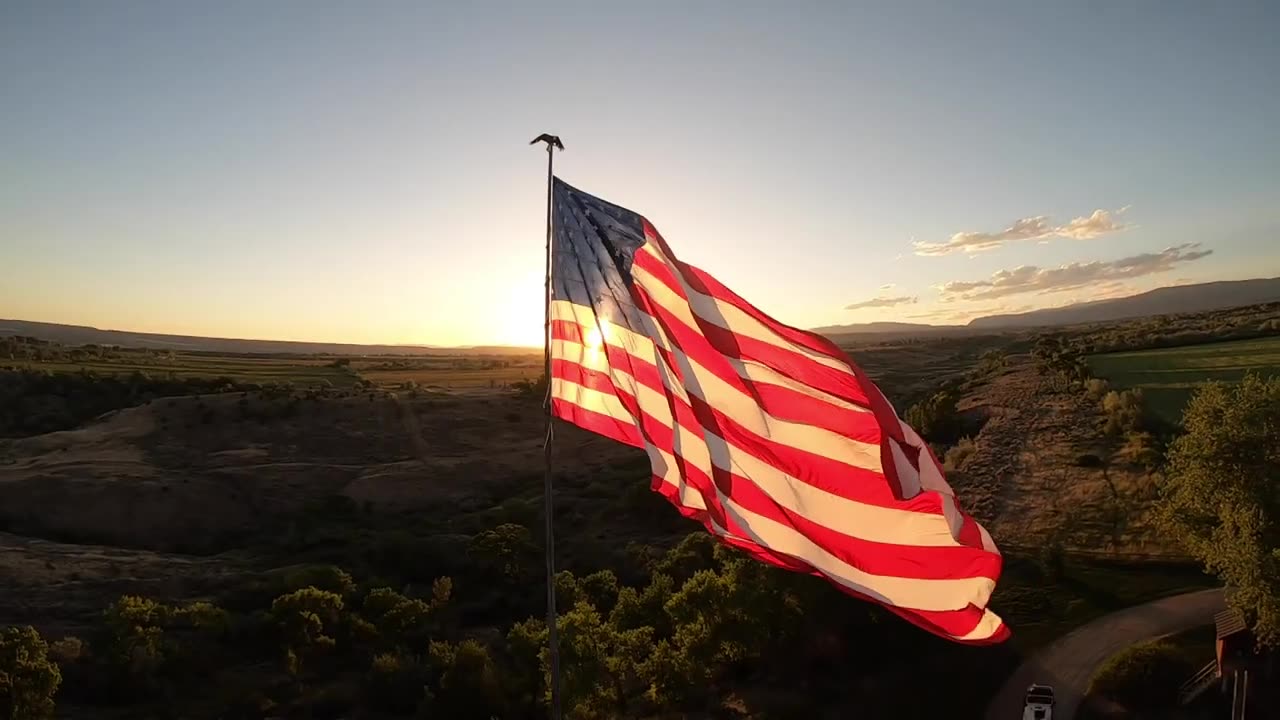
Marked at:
<point>907,373</point>
<point>449,377</point>
<point>445,371</point>
<point>1040,605</point>
<point>1193,648</point>
<point>249,370</point>
<point>1196,645</point>
<point>1167,376</point>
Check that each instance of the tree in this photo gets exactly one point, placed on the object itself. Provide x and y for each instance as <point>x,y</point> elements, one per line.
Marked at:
<point>134,645</point>
<point>535,389</point>
<point>28,679</point>
<point>396,683</point>
<point>1124,411</point>
<point>466,683</point>
<point>991,362</point>
<point>694,552</point>
<point>307,619</point>
<point>721,619</point>
<point>935,419</point>
<point>527,648</point>
<point>1220,497</point>
<point>403,622</point>
<point>507,551</point>
<point>197,633</point>
<point>600,588</point>
<point>324,577</point>
<point>644,608</point>
<point>600,663</point>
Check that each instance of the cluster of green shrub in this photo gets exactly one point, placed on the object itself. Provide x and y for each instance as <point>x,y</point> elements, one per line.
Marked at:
<point>1144,679</point>
<point>701,623</point>
<point>1242,323</point>
<point>39,401</point>
<point>19,347</point>
<point>373,647</point>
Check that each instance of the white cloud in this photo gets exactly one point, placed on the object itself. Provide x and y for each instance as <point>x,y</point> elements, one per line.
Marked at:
<point>888,286</point>
<point>1030,278</point>
<point>882,302</point>
<point>1101,222</point>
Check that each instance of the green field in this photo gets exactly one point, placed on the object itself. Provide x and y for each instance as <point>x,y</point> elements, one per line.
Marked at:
<point>452,378</point>
<point>443,371</point>
<point>240,369</point>
<point>450,371</point>
<point>1167,376</point>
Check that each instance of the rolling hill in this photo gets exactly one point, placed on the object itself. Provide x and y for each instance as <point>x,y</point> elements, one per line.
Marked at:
<point>1161,301</point>
<point>881,327</point>
<point>83,335</point>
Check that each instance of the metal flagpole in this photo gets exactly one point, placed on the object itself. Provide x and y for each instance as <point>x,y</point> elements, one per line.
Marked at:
<point>553,640</point>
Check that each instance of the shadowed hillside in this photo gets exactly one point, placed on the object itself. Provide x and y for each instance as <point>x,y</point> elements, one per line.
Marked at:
<point>83,335</point>
<point>1162,301</point>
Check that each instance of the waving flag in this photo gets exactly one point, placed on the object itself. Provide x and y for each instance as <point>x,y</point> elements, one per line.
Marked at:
<point>769,436</point>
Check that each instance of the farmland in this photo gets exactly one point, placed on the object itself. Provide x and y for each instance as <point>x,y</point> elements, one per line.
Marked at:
<point>441,371</point>
<point>449,371</point>
<point>1167,376</point>
<point>300,371</point>
<point>908,370</point>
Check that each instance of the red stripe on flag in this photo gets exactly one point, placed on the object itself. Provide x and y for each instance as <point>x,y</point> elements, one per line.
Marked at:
<point>716,340</point>
<point>870,556</point>
<point>948,623</point>
<point>826,473</point>
<point>598,423</point>
<point>839,383</point>
<point>781,402</point>
<point>879,403</point>
<point>952,623</point>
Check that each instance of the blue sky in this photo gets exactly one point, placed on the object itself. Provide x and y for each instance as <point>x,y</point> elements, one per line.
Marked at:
<point>359,171</point>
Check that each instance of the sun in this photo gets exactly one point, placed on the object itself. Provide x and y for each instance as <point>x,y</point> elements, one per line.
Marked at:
<point>593,339</point>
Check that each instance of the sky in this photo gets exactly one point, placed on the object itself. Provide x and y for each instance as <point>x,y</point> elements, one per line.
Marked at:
<point>360,172</point>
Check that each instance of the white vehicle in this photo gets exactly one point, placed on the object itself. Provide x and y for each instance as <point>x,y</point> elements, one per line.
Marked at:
<point>1039,703</point>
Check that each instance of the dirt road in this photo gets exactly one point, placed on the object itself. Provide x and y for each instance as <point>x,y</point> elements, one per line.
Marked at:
<point>1069,662</point>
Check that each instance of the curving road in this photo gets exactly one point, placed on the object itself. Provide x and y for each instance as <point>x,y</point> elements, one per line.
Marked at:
<point>1069,662</point>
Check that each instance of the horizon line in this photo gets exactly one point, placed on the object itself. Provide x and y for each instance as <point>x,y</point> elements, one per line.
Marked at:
<point>420,346</point>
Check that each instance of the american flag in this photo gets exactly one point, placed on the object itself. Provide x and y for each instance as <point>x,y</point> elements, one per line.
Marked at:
<point>769,436</point>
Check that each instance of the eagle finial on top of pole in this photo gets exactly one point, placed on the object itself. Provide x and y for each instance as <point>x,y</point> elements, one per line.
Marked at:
<point>550,140</point>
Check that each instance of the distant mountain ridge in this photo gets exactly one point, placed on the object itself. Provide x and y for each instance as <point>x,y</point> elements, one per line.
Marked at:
<point>1200,297</point>
<point>84,335</point>
<point>1162,301</point>
<point>1171,300</point>
<point>877,327</point>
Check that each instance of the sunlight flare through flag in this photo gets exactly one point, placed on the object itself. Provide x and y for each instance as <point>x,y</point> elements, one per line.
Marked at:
<point>769,436</point>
